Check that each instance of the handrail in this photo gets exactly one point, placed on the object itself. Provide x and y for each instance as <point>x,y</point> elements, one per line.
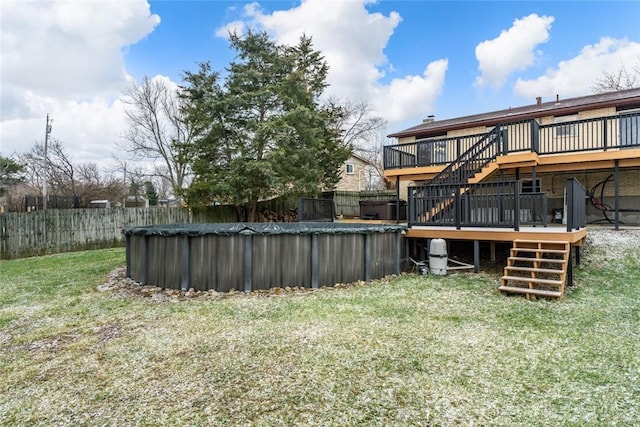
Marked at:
<point>470,161</point>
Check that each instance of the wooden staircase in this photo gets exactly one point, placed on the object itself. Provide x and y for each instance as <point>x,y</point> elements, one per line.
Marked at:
<point>536,268</point>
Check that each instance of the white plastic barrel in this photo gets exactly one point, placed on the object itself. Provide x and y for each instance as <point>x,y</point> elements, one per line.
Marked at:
<point>438,257</point>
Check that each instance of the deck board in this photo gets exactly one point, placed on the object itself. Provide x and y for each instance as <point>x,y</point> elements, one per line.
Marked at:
<point>550,233</point>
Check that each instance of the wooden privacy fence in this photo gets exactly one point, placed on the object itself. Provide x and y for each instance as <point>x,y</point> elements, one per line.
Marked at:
<point>347,203</point>
<point>25,234</point>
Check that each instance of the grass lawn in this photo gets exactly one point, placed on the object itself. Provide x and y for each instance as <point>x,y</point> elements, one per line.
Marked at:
<point>424,351</point>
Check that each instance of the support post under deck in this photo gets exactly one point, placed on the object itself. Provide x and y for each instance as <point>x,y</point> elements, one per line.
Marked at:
<point>476,256</point>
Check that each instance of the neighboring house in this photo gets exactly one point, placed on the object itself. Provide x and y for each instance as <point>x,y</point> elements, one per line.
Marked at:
<point>570,161</point>
<point>354,174</point>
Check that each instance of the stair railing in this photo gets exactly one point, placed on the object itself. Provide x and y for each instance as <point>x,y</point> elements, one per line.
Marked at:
<point>473,160</point>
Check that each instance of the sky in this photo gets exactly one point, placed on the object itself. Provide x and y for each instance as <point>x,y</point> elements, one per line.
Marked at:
<point>406,59</point>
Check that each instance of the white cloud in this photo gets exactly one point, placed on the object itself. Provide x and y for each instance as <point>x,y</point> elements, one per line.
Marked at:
<point>235,27</point>
<point>576,76</point>
<point>412,97</point>
<point>512,50</point>
<point>353,40</point>
<point>65,58</point>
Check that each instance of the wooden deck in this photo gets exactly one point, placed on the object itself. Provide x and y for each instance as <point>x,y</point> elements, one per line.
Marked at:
<point>553,232</point>
<point>556,233</point>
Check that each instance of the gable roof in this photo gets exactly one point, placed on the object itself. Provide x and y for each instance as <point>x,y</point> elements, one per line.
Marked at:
<point>623,98</point>
<point>357,157</point>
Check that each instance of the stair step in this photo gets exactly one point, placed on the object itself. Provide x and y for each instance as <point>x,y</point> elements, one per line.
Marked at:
<point>539,292</point>
<point>541,250</point>
<point>534,280</point>
<point>544,242</point>
<point>531,259</point>
<point>534,270</point>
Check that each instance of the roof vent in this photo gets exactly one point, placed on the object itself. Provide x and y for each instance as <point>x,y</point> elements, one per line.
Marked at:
<point>430,119</point>
<point>557,98</point>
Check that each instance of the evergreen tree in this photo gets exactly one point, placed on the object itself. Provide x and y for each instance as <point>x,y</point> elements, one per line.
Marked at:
<point>11,173</point>
<point>150,192</point>
<point>262,131</point>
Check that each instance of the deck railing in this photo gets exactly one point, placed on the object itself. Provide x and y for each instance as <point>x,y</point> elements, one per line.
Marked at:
<point>493,204</point>
<point>317,210</point>
<point>595,134</point>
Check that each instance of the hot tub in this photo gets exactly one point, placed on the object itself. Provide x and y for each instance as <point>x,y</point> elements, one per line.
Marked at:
<point>256,256</point>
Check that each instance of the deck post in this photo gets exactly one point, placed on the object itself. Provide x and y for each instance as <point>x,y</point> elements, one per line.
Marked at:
<point>504,135</point>
<point>476,256</point>
<point>535,136</point>
<point>398,199</point>
<point>535,190</point>
<point>516,206</point>
<point>577,256</point>
<point>616,178</point>
<point>492,250</point>
<point>570,267</point>
<point>458,208</point>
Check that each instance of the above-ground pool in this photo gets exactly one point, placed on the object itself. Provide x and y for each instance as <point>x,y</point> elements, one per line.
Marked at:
<point>255,256</point>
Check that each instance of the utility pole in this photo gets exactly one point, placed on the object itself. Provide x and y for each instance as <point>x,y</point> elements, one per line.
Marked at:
<point>47,132</point>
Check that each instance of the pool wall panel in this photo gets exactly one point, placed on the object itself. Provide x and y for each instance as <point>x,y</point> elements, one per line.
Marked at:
<point>183,258</point>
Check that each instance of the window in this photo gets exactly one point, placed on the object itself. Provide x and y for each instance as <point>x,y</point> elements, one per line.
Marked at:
<point>570,129</point>
<point>527,186</point>
<point>349,168</point>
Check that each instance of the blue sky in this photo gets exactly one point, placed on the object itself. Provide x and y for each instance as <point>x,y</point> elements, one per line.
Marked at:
<point>407,59</point>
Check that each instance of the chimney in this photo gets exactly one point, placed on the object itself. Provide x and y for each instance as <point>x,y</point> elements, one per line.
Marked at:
<point>539,101</point>
<point>430,118</point>
<point>557,98</point>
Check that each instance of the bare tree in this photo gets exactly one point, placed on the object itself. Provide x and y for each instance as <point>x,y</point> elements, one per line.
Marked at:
<point>94,185</point>
<point>157,130</point>
<point>619,80</point>
<point>361,131</point>
<point>66,178</point>
<point>61,170</point>
<point>356,122</point>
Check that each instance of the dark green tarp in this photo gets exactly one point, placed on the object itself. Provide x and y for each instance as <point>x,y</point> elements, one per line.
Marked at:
<point>262,228</point>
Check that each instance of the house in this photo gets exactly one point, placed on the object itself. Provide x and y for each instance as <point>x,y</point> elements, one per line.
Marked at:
<point>355,174</point>
<point>509,175</point>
